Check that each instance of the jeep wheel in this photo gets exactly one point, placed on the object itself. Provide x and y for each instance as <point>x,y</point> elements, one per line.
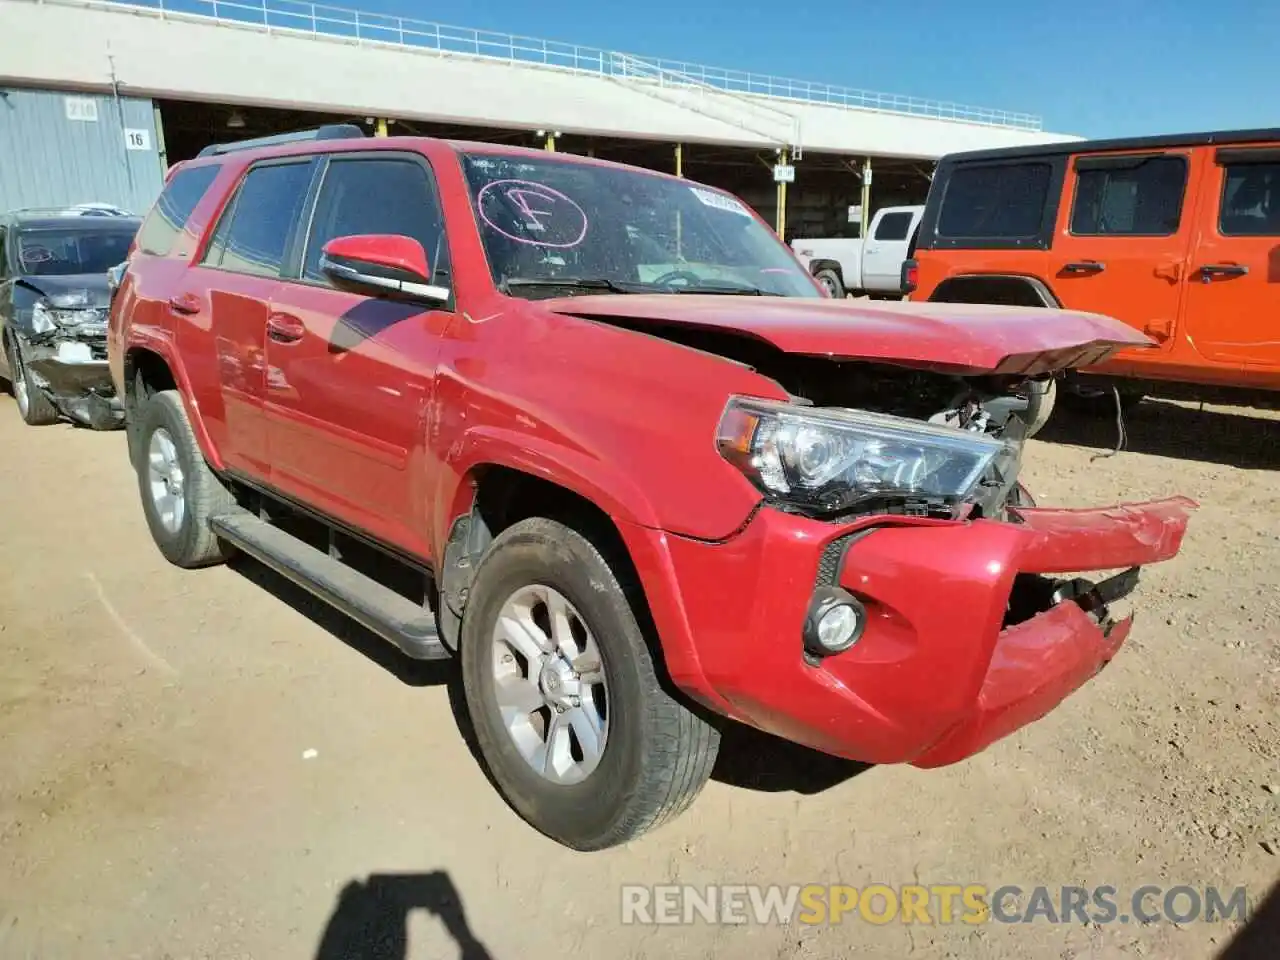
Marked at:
<point>179,491</point>
<point>571,720</point>
<point>36,409</point>
<point>831,281</point>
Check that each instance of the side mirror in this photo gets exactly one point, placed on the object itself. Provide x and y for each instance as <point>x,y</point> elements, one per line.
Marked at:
<point>381,264</point>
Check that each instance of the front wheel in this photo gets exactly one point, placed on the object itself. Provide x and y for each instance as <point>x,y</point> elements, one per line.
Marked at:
<point>831,281</point>
<point>562,689</point>
<point>36,409</point>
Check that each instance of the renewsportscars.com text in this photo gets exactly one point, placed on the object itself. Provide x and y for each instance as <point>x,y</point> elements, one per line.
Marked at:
<point>936,904</point>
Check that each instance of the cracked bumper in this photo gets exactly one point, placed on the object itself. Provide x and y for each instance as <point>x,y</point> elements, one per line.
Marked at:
<point>967,639</point>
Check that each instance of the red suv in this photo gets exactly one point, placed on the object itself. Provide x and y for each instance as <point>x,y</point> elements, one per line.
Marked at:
<point>596,433</point>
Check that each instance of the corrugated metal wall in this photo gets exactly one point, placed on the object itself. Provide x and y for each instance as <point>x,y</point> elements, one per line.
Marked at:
<point>63,148</point>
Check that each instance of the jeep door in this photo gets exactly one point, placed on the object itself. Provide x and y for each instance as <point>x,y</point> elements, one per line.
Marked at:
<point>349,376</point>
<point>1123,238</point>
<point>1233,299</point>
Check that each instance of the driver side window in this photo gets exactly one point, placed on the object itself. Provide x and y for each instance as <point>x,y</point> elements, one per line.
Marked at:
<point>377,196</point>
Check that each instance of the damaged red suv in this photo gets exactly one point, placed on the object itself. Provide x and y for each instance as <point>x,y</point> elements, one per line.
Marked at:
<point>593,431</point>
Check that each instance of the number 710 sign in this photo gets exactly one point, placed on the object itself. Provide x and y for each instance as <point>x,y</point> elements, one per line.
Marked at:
<point>137,139</point>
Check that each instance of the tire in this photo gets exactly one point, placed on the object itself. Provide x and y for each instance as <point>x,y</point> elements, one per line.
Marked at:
<point>657,754</point>
<point>36,409</point>
<point>184,538</point>
<point>1040,404</point>
<point>831,280</point>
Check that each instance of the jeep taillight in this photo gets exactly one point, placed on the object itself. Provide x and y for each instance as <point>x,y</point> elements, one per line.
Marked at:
<point>910,276</point>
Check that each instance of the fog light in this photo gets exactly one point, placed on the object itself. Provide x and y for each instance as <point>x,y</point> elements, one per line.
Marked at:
<point>835,622</point>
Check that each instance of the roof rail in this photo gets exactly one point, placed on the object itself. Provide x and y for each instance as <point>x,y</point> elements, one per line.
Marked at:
<point>330,131</point>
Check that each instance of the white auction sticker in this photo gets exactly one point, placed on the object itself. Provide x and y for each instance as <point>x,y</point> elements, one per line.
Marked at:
<point>719,201</point>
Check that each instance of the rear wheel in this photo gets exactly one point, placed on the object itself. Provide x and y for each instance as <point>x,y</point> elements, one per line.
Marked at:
<point>563,691</point>
<point>179,491</point>
<point>832,282</point>
<point>36,409</point>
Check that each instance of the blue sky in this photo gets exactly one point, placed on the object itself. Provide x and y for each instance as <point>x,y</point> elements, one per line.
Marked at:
<point>1097,69</point>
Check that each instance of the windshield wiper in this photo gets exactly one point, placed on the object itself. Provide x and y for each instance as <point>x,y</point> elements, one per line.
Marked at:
<point>725,290</point>
<point>576,283</point>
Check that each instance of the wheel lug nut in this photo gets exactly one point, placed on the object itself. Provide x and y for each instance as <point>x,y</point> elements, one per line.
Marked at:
<point>575,701</point>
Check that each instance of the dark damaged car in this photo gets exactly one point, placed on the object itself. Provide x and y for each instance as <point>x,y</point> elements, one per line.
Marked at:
<point>54,295</point>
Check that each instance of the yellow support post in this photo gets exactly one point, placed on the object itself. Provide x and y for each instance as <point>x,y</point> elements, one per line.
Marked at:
<point>866,196</point>
<point>551,143</point>
<point>380,129</point>
<point>679,160</point>
<point>782,199</point>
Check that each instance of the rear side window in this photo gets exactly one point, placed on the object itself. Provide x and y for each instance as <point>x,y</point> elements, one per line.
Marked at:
<point>254,230</point>
<point>894,226</point>
<point>996,202</point>
<point>1250,200</point>
<point>1121,196</point>
<point>388,196</point>
<point>174,208</point>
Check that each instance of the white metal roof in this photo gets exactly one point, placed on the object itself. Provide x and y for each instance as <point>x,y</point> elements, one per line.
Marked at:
<point>294,54</point>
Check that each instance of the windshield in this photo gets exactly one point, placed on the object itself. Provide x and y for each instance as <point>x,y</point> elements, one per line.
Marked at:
<point>549,224</point>
<point>53,252</point>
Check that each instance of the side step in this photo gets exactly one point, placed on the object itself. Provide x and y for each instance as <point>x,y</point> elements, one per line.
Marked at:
<point>385,612</point>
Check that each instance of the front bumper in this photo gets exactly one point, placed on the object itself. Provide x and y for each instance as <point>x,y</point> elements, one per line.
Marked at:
<point>966,639</point>
<point>77,379</point>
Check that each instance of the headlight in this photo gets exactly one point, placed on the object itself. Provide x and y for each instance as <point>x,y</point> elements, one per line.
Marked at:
<point>85,321</point>
<point>831,459</point>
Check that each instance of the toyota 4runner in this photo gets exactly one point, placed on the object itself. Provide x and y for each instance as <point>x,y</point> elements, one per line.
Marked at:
<point>596,433</point>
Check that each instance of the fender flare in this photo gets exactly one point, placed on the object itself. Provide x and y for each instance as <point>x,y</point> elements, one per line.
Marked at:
<point>163,347</point>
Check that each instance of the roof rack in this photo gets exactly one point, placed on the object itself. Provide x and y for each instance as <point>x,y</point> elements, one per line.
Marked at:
<point>330,131</point>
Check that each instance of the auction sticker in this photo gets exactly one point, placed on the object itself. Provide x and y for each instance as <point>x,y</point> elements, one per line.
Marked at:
<point>719,201</point>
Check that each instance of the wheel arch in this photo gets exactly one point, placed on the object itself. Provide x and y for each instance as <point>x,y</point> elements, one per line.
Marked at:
<point>1008,289</point>
<point>159,371</point>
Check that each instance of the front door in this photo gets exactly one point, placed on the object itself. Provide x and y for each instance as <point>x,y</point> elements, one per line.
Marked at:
<point>1124,236</point>
<point>1233,301</point>
<point>884,251</point>
<point>349,376</point>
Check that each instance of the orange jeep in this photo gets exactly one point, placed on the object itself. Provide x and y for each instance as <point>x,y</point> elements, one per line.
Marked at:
<point>1178,236</point>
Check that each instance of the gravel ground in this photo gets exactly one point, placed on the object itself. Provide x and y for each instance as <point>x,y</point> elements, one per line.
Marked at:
<point>209,765</point>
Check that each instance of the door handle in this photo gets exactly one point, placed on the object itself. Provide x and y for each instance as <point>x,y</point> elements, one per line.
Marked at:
<point>185,303</point>
<point>1211,270</point>
<point>1084,266</point>
<point>285,328</point>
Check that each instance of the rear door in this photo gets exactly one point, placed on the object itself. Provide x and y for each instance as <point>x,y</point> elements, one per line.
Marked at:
<point>349,376</point>
<point>1124,237</point>
<point>883,254</point>
<point>1233,300</point>
<point>229,293</point>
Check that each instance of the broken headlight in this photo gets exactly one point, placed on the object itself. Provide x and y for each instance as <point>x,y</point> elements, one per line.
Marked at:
<point>831,460</point>
<point>82,321</point>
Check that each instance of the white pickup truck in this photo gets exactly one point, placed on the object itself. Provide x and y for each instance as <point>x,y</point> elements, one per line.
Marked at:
<point>856,267</point>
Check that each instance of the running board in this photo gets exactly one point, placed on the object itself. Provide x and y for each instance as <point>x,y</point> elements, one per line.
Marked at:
<point>385,612</point>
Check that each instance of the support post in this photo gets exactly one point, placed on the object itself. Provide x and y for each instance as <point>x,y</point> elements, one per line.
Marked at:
<point>866,197</point>
<point>160,147</point>
<point>550,144</point>
<point>781,225</point>
<point>380,127</point>
<point>679,160</point>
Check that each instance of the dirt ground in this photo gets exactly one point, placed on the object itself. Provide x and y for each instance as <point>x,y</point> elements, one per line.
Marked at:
<point>206,764</point>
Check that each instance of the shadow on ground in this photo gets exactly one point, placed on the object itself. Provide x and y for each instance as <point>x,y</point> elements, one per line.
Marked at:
<point>748,758</point>
<point>413,673</point>
<point>1231,436</point>
<point>370,921</point>
<point>1259,939</point>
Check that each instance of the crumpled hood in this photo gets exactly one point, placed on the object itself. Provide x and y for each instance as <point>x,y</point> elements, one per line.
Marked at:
<point>953,337</point>
<point>71,291</point>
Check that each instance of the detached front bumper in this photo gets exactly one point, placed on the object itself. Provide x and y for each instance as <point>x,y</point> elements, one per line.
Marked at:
<point>76,377</point>
<point>967,638</point>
